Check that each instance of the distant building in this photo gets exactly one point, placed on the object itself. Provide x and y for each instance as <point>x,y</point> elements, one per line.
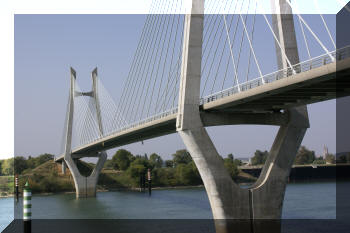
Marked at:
<point>325,151</point>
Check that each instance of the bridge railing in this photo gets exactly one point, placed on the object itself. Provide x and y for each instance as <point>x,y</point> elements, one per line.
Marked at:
<point>313,63</point>
<point>269,78</point>
<point>136,124</point>
<point>147,120</point>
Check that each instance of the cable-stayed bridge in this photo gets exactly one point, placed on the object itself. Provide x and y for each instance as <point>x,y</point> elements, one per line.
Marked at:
<point>198,70</point>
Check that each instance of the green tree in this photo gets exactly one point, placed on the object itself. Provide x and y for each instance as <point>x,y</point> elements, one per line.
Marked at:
<point>164,177</point>
<point>108,164</point>
<point>33,162</point>
<point>1,162</point>
<point>259,157</point>
<point>8,167</point>
<point>237,162</point>
<point>121,159</point>
<point>231,167</point>
<point>169,163</point>
<point>143,161</point>
<point>181,157</point>
<point>187,174</point>
<point>43,158</point>
<point>136,169</point>
<point>20,164</point>
<point>304,156</point>
<point>155,160</point>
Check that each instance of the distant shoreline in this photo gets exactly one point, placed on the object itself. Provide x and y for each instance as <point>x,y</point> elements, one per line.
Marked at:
<point>153,188</point>
<point>112,190</point>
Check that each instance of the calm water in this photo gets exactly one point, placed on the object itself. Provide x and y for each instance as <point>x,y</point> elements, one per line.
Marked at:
<point>302,201</point>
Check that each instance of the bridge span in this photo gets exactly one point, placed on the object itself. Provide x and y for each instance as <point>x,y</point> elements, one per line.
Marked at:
<point>279,98</point>
<point>317,80</point>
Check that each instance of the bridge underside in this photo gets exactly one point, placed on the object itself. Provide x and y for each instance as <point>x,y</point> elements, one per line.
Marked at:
<point>317,85</point>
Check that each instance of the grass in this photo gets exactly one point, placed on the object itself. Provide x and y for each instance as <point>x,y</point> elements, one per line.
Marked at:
<point>48,178</point>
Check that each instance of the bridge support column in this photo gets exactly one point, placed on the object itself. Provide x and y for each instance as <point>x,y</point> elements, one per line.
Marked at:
<point>264,199</point>
<point>267,193</point>
<point>86,186</point>
<point>64,166</point>
<point>227,200</point>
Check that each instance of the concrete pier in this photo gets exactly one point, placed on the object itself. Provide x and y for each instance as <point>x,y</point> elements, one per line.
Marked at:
<point>84,186</point>
<point>228,201</point>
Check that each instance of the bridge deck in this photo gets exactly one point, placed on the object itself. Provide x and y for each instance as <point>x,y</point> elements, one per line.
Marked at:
<point>315,85</point>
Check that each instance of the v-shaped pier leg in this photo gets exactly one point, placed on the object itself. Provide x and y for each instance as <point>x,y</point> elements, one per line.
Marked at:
<point>86,186</point>
<point>228,201</point>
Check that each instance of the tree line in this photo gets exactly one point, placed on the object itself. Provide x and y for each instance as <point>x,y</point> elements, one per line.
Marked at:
<point>18,164</point>
<point>181,165</point>
<point>180,170</point>
<point>303,157</point>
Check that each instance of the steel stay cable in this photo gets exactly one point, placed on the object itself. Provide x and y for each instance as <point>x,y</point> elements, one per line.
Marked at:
<point>145,51</point>
<point>128,81</point>
<point>222,55</point>
<point>160,60</point>
<point>171,62</point>
<point>152,70</point>
<point>132,103</point>
<point>206,58</point>
<point>250,52</point>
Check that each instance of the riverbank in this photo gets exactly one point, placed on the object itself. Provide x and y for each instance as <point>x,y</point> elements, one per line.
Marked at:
<point>48,178</point>
<point>111,190</point>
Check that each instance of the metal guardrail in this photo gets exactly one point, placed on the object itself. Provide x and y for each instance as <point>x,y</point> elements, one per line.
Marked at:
<point>313,63</point>
<point>151,118</point>
<point>138,123</point>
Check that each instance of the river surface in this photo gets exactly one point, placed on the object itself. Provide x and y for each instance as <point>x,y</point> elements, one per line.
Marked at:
<point>302,201</point>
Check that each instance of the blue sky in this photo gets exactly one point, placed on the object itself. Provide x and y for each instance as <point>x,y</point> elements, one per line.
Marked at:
<point>47,45</point>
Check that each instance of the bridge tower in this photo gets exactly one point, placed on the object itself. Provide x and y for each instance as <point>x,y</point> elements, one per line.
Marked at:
<point>84,186</point>
<point>264,199</point>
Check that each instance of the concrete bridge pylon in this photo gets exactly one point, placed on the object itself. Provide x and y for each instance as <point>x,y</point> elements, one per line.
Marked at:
<point>264,200</point>
<point>84,186</point>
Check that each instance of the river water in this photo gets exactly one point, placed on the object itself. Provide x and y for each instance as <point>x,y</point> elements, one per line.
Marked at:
<point>302,201</point>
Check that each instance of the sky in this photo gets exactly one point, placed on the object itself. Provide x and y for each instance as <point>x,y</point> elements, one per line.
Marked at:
<point>47,45</point>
